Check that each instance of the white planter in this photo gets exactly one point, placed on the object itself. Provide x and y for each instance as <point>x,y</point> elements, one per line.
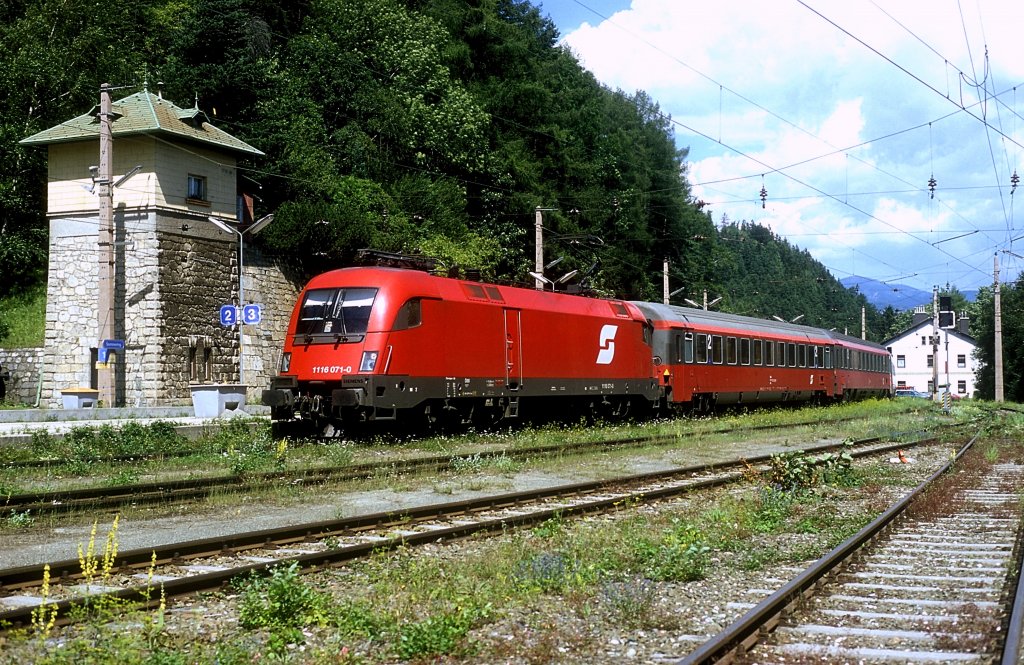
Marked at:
<point>211,400</point>
<point>79,398</point>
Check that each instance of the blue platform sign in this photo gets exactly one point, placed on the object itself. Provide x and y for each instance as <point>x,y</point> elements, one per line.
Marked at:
<point>228,315</point>
<point>252,314</point>
<point>112,344</point>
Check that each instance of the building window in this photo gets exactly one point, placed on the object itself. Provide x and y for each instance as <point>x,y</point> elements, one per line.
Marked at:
<point>196,187</point>
<point>931,360</point>
<point>931,386</point>
<point>924,340</point>
<point>901,384</point>
<point>961,361</point>
<point>901,361</point>
<point>961,387</point>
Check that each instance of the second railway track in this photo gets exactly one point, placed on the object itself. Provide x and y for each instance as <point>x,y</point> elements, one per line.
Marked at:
<point>180,570</point>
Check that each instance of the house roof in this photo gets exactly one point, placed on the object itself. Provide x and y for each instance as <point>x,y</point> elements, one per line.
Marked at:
<point>927,323</point>
<point>144,113</point>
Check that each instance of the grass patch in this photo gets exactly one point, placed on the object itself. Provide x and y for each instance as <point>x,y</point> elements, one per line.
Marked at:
<point>25,316</point>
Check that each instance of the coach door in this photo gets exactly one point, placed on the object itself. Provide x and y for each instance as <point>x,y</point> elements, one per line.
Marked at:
<point>513,350</point>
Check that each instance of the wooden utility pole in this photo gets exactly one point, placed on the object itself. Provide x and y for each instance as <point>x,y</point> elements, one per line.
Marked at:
<point>935,343</point>
<point>998,332</point>
<point>106,278</point>
<point>664,280</point>
<point>538,231</point>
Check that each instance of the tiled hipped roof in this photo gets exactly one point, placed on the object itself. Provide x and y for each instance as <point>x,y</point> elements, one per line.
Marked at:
<point>144,113</point>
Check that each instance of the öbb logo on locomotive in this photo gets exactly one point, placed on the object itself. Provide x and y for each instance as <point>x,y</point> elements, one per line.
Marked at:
<point>607,345</point>
<point>372,344</point>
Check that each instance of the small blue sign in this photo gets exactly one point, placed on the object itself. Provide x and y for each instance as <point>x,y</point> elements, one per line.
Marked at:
<point>112,344</point>
<point>252,314</point>
<point>228,315</point>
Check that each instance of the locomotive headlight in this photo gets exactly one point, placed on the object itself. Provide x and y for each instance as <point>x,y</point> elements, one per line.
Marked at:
<point>368,362</point>
<point>286,362</point>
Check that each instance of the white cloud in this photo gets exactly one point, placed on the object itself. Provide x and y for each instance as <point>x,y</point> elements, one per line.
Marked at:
<point>757,87</point>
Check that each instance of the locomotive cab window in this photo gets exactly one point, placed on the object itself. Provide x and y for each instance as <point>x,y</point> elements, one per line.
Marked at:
<point>336,312</point>
<point>409,316</point>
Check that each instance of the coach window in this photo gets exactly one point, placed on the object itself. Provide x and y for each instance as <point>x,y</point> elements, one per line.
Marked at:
<point>791,355</point>
<point>688,348</point>
<point>828,356</point>
<point>744,351</point>
<point>730,350</point>
<point>700,349</point>
<point>716,349</point>
<point>801,355</point>
<point>758,352</point>
<point>769,354</point>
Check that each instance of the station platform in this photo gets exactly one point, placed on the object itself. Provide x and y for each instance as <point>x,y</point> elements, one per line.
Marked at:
<point>18,425</point>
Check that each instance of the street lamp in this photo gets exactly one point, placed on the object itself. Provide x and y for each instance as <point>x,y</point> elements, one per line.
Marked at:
<point>253,229</point>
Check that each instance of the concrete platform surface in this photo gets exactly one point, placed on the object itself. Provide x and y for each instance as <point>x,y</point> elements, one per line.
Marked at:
<point>18,425</point>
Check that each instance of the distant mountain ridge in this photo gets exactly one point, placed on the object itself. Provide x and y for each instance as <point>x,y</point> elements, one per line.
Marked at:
<point>898,296</point>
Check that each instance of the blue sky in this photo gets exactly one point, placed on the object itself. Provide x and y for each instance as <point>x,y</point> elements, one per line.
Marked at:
<point>843,112</point>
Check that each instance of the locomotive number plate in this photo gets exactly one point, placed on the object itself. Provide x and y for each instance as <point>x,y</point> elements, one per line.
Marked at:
<point>332,369</point>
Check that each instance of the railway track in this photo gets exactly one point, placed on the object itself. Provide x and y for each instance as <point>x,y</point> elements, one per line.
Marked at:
<point>932,580</point>
<point>190,567</point>
<point>177,454</point>
<point>192,489</point>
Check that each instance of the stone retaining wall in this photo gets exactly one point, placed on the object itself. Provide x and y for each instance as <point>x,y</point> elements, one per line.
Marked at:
<point>24,366</point>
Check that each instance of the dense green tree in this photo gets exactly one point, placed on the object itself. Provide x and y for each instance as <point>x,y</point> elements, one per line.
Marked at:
<point>433,126</point>
<point>983,330</point>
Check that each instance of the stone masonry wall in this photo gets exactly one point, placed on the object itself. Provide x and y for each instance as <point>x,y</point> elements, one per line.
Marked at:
<point>23,364</point>
<point>172,279</point>
<point>274,284</point>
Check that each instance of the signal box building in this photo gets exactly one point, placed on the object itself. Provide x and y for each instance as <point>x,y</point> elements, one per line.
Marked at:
<point>173,269</point>
<point>914,357</point>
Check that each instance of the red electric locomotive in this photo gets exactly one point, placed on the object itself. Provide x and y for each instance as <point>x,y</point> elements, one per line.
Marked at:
<point>387,344</point>
<point>707,359</point>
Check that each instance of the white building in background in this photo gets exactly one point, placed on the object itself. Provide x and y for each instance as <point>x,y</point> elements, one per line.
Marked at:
<point>914,360</point>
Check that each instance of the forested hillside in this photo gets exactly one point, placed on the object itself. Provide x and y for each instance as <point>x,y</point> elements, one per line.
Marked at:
<point>433,126</point>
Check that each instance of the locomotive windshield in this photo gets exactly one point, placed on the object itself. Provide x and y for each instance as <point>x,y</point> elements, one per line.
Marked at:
<point>335,311</point>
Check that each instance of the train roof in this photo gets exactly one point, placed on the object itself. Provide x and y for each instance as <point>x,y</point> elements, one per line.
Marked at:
<point>404,283</point>
<point>745,324</point>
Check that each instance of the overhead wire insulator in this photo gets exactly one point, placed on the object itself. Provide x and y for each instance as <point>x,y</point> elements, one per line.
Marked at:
<point>1014,180</point>
<point>764,192</point>
<point>931,186</point>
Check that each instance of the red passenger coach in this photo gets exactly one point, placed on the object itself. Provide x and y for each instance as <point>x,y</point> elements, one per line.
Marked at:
<point>396,344</point>
<point>707,359</point>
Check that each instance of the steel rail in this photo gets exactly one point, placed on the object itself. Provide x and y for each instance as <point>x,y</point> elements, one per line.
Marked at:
<point>58,501</point>
<point>742,634</point>
<point>175,454</point>
<point>173,553</point>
